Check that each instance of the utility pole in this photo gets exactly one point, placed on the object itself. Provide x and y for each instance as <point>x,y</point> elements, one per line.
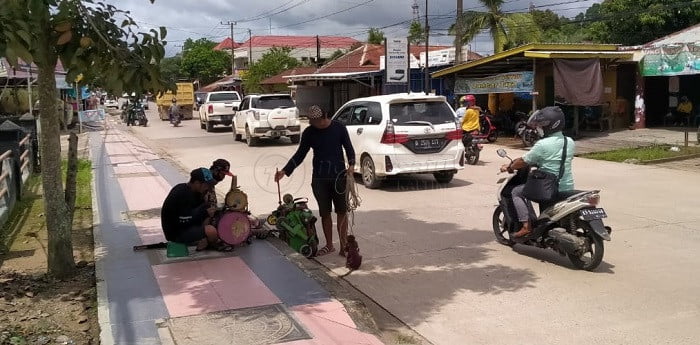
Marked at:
<point>250,49</point>
<point>270,25</point>
<point>318,52</point>
<point>427,37</point>
<point>233,48</point>
<point>458,33</point>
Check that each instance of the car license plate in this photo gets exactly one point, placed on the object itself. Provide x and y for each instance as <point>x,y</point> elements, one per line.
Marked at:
<point>593,213</point>
<point>427,144</point>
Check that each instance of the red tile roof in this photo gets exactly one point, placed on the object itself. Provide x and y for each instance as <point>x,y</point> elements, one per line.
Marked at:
<point>226,44</point>
<point>279,78</point>
<point>366,58</point>
<point>300,41</point>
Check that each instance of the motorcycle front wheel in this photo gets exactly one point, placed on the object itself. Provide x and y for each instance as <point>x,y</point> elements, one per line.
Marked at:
<point>593,256</point>
<point>472,157</point>
<point>500,228</point>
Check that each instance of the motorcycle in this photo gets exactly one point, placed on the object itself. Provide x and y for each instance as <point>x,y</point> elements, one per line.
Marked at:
<point>472,148</point>
<point>488,129</point>
<point>572,224</point>
<point>528,134</point>
<point>136,115</point>
<point>175,119</point>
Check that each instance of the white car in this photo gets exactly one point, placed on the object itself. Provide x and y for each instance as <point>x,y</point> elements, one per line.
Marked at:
<point>403,134</point>
<point>266,116</point>
<point>217,109</point>
<point>111,103</point>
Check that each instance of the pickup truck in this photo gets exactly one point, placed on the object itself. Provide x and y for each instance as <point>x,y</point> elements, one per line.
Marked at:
<point>266,116</point>
<point>217,109</point>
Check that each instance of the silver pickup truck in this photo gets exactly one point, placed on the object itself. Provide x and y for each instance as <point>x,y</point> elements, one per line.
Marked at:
<point>217,109</point>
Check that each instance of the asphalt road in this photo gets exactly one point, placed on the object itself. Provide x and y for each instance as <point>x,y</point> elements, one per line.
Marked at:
<point>430,257</point>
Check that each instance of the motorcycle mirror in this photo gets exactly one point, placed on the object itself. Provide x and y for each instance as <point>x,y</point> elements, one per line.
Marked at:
<point>502,153</point>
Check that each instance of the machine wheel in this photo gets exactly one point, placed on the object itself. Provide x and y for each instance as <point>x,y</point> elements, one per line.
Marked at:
<point>295,139</point>
<point>369,175</point>
<point>444,177</point>
<point>306,251</point>
<point>595,249</point>
<point>209,126</point>
<point>500,229</point>
<point>271,219</point>
<point>250,140</point>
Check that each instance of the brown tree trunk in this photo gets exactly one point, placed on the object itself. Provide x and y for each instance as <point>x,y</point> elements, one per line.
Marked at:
<point>71,175</point>
<point>60,249</point>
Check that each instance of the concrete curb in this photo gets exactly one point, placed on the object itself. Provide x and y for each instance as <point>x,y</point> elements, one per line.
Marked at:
<point>103,319</point>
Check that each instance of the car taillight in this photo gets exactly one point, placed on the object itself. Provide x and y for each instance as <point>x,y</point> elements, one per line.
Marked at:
<point>389,137</point>
<point>387,163</point>
<point>210,109</point>
<point>454,135</point>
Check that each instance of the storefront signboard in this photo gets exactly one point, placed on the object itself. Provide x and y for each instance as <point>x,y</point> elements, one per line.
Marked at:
<point>677,59</point>
<point>500,83</point>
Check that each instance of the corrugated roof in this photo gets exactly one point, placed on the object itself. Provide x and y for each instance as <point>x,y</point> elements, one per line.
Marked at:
<point>280,78</point>
<point>226,44</point>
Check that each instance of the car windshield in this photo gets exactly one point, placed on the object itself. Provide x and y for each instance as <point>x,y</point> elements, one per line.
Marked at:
<point>223,97</point>
<point>273,102</point>
<point>421,113</point>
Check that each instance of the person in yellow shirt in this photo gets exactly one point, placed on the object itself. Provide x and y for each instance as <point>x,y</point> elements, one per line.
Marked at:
<point>470,121</point>
<point>683,111</point>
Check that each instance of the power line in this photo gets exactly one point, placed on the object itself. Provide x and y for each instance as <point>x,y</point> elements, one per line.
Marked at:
<point>270,13</point>
<point>326,16</point>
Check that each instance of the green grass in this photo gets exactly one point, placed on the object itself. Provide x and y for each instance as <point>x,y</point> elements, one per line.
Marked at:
<point>643,154</point>
<point>83,199</point>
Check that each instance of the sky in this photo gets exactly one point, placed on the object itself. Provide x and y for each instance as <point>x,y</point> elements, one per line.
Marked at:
<point>203,18</point>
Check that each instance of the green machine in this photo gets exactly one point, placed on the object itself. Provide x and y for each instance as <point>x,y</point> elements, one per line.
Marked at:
<point>296,225</point>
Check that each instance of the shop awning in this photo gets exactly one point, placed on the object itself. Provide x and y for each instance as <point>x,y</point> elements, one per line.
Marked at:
<point>548,54</point>
<point>516,59</point>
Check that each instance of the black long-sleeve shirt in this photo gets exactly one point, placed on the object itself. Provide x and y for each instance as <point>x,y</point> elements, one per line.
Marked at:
<point>328,145</point>
<point>181,209</point>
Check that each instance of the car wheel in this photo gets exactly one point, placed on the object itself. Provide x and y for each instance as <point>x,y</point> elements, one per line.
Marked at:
<point>250,140</point>
<point>209,126</point>
<point>369,174</point>
<point>295,139</point>
<point>444,177</point>
<point>236,136</point>
<point>202,125</point>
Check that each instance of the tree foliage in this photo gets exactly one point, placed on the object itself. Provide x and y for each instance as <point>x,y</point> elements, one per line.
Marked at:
<point>633,22</point>
<point>375,36</point>
<point>270,64</point>
<point>416,33</point>
<point>200,61</point>
<point>170,68</point>
<point>92,41</point>
<point>506,29</point>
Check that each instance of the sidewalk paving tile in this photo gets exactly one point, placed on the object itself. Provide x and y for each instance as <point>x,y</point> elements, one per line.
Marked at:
<point>332,310</point>
<point>205,286</point>
<point>144,193</point>
<point>149,230</point>
<point>327,331</point>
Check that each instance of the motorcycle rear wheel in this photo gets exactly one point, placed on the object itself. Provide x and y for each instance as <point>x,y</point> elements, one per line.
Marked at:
<point>596,251</point>
<point>472,157</point>
<point>493,136</point>
<point>500,229</point>
<point>528,139</point>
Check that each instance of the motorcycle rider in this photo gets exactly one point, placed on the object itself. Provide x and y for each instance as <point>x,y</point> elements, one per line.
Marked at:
<point>546,154</point>
<point>470,121</point>
<point>173,110</point>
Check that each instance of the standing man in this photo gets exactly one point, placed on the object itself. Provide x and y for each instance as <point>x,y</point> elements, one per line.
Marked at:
<point>470,122</point>
<point>328,139</point>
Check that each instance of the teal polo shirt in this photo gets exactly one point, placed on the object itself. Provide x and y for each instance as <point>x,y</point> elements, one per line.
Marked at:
<point>546,154</point>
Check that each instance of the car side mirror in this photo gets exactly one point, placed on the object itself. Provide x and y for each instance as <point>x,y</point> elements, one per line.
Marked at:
<point>502,153</point>
<point>235,108</point>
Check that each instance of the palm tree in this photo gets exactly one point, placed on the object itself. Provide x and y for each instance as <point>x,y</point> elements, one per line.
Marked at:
<point>506,29</point>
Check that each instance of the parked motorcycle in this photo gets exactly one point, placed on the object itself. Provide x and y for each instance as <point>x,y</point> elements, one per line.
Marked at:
<point>529,135</point>
<point>572,225</point>
<point>488,129</point>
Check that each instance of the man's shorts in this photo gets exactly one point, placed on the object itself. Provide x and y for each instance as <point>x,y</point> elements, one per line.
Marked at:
<point>191,234</point>
<point>330,192</point>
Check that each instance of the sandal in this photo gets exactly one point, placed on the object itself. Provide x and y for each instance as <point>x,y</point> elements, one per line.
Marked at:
<point>223,247</point>
<point>325,251</point>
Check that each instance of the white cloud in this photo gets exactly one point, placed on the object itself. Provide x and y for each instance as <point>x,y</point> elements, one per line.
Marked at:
<point>202,18</point>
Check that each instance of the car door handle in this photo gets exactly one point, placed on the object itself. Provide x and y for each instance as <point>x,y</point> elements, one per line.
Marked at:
<point>359,131</point>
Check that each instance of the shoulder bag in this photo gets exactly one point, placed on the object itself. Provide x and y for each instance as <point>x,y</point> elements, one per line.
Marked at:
<point>542,186</point>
